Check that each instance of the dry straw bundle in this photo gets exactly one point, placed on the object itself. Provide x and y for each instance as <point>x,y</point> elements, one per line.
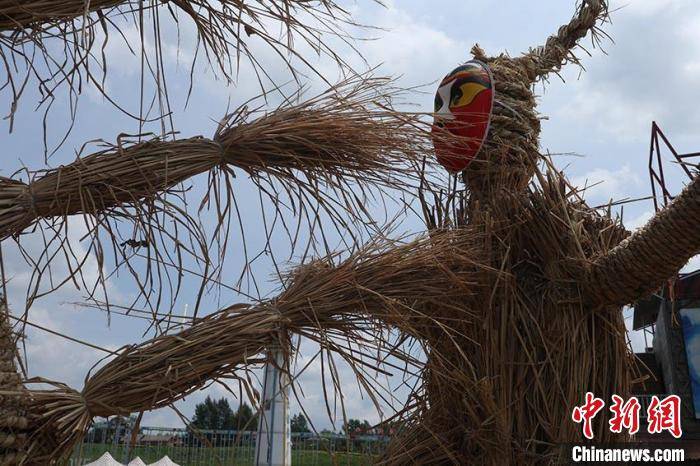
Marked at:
<point>632,269</point>
<point>334,140</point>
<point>58,42</point>
<point>153,374</point>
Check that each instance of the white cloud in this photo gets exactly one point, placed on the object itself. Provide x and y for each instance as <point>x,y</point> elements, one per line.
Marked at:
<point>55,358</point>
<point>639,221</point>
<point>692,265</point>
<point>603,185</point>
<point>650,72</point>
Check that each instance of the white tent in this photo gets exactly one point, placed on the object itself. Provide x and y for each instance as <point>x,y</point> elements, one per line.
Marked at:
<point>105,460</point>
<point>164,461</point>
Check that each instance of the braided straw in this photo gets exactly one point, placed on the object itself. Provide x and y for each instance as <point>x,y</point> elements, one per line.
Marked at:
<point>509,155</point>
<point>641,263</point>
<point>511,151</point>
<point>558,50</point>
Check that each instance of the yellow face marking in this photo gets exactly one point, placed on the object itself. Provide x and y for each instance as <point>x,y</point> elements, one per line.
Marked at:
<point>467,94</point>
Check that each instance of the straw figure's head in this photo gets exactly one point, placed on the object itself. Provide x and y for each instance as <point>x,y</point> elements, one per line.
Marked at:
<point>510,152</point>
<point>463,105</point>
<point>489,105</point>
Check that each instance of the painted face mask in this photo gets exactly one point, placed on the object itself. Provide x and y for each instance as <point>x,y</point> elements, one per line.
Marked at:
<point>463,105</point>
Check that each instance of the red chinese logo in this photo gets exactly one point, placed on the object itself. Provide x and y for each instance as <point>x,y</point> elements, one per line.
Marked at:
<point>625,415</point>
<point>662,415</point>
<point>587,412</point>
<point>665,415</point>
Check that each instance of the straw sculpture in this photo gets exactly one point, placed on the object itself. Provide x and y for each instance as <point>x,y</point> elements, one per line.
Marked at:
<point>550,327</point>
<point>514,293</point>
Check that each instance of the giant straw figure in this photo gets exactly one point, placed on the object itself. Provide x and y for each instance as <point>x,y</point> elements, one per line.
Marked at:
<point>515,293</point>
<point>544,323</point>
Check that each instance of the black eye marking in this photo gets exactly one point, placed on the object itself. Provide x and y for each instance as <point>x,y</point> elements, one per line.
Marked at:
<point>438,102</point>
<point>455,94</point>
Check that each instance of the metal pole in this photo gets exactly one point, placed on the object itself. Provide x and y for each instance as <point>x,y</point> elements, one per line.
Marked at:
<point>273,443</point>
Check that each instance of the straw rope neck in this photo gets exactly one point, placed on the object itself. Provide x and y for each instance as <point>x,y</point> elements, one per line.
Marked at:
<point>510,153</point>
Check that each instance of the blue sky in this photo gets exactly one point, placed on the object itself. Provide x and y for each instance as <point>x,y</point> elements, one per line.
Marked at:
<point>650,72</point>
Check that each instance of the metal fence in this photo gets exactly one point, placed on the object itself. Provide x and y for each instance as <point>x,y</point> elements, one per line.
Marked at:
<point>221,447</point>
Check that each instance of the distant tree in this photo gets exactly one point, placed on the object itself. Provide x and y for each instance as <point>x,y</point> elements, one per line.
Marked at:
<point>389,428</point>
<point>217,415</point>
<point>213,415</point>
<point>226,416</point>
<point>244,419</point>
<point>299,423</point>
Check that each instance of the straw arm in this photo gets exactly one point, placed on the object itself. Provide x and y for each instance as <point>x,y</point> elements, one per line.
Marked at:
<point>152,374</point>
<point>558,49</point>
<point>415,287</point>
<point>382,288</point>
<point>163,370</point>
<point>336,140</point>
<point>103,180</point>
<point>640,264</point>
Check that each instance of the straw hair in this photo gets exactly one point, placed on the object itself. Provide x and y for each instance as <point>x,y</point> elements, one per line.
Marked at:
<point>222,26</point>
